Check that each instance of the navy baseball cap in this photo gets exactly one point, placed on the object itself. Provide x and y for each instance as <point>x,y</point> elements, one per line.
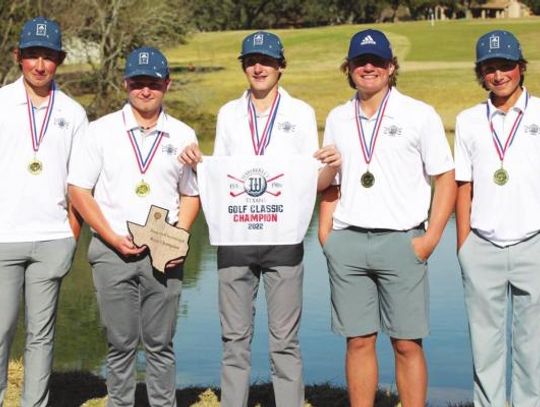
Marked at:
<point>41,32</point>
<point>146,61</point>
<point>262,42</point>
<point>498,44</point>
<point>371,42</point>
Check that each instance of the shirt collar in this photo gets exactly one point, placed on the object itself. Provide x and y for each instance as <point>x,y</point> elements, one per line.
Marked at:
<point>19,93</point>
<point>390,107</point>
<point>242,106</point>
<point>519,106</point>
<point>131,122</point>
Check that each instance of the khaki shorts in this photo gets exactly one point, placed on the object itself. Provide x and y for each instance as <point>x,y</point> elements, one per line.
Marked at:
<point>377,281</point>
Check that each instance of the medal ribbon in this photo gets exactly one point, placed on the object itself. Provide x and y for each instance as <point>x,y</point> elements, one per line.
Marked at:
<point>260,143</point>
<point>38,137</point>
<point>368,150</point>
<point>143,163</point>
<point>501,150</point>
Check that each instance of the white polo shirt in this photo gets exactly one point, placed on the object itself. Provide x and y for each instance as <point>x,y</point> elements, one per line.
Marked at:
<point>294,131</point>
<point>34,207</point>
<point>504,214</point>
<point>411,147</point>
<point>104,159</point>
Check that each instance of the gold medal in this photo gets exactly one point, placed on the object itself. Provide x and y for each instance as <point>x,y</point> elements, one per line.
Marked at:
<point>367,180</point>
<point>142,189</point>
<point>35,167</point>
<point>500,177</point>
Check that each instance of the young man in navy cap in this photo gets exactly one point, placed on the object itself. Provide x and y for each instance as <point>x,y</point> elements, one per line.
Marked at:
<point>125,163</point>
<point>265,112</point>
<point>376,244</point>
<point>497,147</point>
<point>38,230</point>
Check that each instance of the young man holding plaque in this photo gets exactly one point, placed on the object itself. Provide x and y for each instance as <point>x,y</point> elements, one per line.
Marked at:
<point>264,121</point>
<point>373,232</point>
<point>497,146</point>
<point>126,163</point>
<point>38,230</point>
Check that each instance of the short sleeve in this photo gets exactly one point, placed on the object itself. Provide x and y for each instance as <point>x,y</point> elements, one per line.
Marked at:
<point>462,155</point>
<point>86,159</point>
<point>434,147</point>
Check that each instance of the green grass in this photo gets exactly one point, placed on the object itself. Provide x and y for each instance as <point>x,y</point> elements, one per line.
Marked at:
<point>436,65</point>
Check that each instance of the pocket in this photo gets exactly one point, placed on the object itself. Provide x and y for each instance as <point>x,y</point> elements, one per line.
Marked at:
<point>326,243</point>
<point>465,243</point>
<point>414,233</point>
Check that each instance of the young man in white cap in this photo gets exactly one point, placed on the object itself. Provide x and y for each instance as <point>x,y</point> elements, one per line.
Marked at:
<point>38,231</point>
<point>127,162</point>
<point>497,147</point>
<point>265,120</point>
<point>392,147</point>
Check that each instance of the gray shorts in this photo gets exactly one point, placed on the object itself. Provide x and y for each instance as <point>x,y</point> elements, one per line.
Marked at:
<point>377,281</point>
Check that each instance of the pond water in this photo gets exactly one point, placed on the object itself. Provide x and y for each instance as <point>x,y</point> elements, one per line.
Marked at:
<point>80,342</point>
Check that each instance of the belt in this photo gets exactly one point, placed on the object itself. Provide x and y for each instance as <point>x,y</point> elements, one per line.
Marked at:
<point>383,230</point>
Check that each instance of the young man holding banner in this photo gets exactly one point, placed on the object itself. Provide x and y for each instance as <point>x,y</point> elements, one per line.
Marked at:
<point>264,170</point>
<point>497,148</point>
<point>38,230</point>
<point>126,163</point>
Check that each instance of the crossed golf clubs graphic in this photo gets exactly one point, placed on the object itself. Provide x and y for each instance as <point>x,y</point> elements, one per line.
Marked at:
<point>235,194</point>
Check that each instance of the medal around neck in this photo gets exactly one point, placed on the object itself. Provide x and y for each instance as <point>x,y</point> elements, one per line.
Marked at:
<point>142,189</point>
<point>165,242</point>
<point>35,167</point>
<point>367,180</point>
<point>500,177</point>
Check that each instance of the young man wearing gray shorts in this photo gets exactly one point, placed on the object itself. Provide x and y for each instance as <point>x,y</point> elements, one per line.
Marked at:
<point>373,231</point>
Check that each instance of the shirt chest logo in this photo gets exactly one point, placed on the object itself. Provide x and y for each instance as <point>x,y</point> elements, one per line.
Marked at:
<point>392,130</point>
<point>532,129</point>
<point>169,149</point>
<point>287,127</point>
<point>61,123</point>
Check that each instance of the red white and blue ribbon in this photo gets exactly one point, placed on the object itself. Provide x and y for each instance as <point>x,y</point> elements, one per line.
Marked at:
<point>37,137</point>
<point>143,162</point>
<point>369,148</point>
<point>261,142</point>
<point>501,149</point>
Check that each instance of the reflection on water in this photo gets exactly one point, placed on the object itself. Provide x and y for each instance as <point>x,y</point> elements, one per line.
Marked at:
<point>80,343</point>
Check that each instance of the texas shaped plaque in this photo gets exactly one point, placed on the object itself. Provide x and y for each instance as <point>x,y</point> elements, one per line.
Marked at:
<point>164,241</point>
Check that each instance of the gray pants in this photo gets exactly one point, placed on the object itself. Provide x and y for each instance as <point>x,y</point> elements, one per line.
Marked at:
<point>493,279</point>
<point>238,288</point>
<point>37,269</point>
<point>137,305</point>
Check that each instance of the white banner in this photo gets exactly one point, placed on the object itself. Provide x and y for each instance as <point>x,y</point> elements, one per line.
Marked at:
<point>257,200</point>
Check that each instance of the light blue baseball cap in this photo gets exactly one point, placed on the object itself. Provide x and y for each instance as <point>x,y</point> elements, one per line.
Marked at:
<point>41,32</point>
<point>146,61</point>
<point>498,44</point>
<point>262,42</point>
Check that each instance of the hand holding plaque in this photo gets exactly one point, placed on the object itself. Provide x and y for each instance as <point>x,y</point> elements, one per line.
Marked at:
<point>165,242</point>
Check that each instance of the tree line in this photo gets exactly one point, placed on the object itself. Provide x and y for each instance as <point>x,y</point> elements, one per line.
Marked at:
<point>114,27</point>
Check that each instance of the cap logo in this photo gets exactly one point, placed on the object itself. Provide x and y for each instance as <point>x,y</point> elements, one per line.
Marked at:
<point>258,39</point>
<point>368,41</point>
<point>144,57</point>
<point>494,42</point>
<point>41,30</point>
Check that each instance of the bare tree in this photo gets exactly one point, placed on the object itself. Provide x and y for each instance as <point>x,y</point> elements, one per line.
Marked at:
<point>12,16</point>
<point>116,27</point>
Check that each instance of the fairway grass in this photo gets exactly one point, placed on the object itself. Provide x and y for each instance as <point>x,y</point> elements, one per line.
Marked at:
<point>436,65</point>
